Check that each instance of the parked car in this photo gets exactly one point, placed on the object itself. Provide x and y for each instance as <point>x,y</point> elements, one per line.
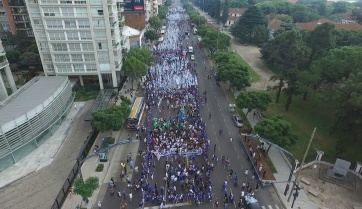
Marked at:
<point>238,121</point>
<point>216,76</point>
<point>192,57</point>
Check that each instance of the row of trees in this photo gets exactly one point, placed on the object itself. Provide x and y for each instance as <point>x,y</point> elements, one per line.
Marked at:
<point>156,22</point>
<point>211,37</point>
<point>313,61</point>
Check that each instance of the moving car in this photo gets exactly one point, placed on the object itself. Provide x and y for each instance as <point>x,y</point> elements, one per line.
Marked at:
<point>191,49</point>
<point>251,202</point>
<point>192,57</point>
<point>238,121</point>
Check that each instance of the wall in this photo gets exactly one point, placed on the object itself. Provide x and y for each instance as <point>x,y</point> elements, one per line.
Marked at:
<point>136,20</point>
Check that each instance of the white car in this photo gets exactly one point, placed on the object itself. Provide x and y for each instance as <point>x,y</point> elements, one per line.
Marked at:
<point>192,57</point>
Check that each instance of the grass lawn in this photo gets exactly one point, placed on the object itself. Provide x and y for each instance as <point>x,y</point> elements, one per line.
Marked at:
<point>253,76</point>
<point>317,111</point>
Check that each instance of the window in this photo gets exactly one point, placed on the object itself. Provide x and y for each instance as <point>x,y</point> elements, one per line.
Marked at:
<point>41,35</point>
<point>87,47</point>
<point>64,68</point>
<point>91,68</point>
<point>49,1</point>
<point>49,67</point>
<point>96,1</point>
<point>72,35</point>
<point>61,58</point>
<point>54,23</point>
<point>97,11</point>
<point>65,2</point>
<point>77,57</point>
<point>59,47</point>
<point>70,24</point>
<point>100,34</point>
<point>103,56</point>
<point>47,57</point>
<point>67,11</point>
<point>100,12</point>
<point>43,46</point>
<point>81,12</point>
<point>38,23</point>
<point>85,35</point>
<point>89,57</point>
<point>102,45</point>
<point>98,23</point>
<point>35,11</point>
<point>51,11</point>
<point>74,47</point>
<point>56,36</point>
<point>78,68</point>
<point>80,2</point>
<point>83,24</point>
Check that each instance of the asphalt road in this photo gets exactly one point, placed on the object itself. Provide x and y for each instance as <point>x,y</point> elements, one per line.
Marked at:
<point>217,104</point>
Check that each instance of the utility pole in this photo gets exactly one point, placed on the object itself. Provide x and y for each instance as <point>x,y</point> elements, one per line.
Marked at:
<point>305,155</point>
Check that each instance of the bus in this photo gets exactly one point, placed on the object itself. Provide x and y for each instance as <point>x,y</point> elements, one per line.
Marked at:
<point>135,116</point>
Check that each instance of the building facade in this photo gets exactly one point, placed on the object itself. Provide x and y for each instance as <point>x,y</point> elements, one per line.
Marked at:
<point>4,67</point>
<point>234,15</point>
<point>14,17</point>
<point>79,38</point>
<point>31,115</point>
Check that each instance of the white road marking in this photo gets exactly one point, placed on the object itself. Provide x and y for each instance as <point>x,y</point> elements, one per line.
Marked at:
<point>234,147</point>
<point>263,207</point>
<point>241,166</point>
<point>219,148</point>
<point>238,157</point>
<point>270,207</point>
<point>276,207</point>
<point>217,140</point>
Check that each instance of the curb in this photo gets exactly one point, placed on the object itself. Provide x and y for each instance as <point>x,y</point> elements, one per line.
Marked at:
<point>279,197</point>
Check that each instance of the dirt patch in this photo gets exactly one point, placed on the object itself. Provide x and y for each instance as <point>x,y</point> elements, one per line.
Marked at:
<point>331,195</point>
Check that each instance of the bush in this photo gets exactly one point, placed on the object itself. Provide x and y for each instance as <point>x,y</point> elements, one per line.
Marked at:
<point>111,140</point>
<point>99,167</point>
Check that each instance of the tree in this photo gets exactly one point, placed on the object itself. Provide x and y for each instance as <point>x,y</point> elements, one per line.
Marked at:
<point>285,18</point>
<point>236,74</point>
<point>225,12</point>
<point>162,12</point>
<point>19,41</point>
<point>141,54</point>
<point>155,23</point>
<point>214,39</point>
<point>85,188</point>
<point>245,27</point>
<point>276,130</point>
<point>347,121</point>
<point>338,63</point>
<point>151,35</point>
<point>253,100</point>
<point>288,53</point>
<point>112,118</point>
<point>30,59</point>
<point>13,56</point>
<point>321,40</point>
<point>339,7</point>
<point>357,15</point>
<point>134,68</point>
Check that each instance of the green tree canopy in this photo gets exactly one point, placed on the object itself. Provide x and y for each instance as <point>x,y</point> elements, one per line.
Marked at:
<point>215,39</point>
<point>253,100</point>
<point>155,22</point>
<point>277,130</point>
<point>85,188</point>
<point>112,118</point>
<point>338,63</point>
<point>237,75</point>
<point>288,53</point>
<point>347,122</point>
<point>13,56</point>
<point>162,12</point>
<point>251,23</point>
<point>143,55</point>
<point>225,12</point>
<point>151,35</point>
<point>321,40</point>
<point>285,18</point>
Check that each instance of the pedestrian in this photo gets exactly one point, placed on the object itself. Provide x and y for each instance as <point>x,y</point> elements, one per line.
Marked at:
<point>130,196</point>
<point>256,187</point>
<point>123,205</point>
<point>246,173</point>
<point>231,139</point>
<point>99,205</point>
<point>124,195</point>
<point>264,173</point>
<point>216,203</point>
<point>114,185</point>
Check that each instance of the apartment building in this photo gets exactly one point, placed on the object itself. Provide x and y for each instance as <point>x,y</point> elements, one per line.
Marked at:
<point>4,66</point>
<point>80,38</point>
<point>14,17</point>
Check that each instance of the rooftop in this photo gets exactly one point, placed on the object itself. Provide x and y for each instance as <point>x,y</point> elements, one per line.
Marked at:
<point>236,10</point>
<point>29,96</point>
<point>275,24</point>
<point>338,26</point>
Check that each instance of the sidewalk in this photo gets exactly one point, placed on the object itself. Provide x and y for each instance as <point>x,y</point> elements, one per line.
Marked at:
<point>283,171</point>
<point>111,168</point>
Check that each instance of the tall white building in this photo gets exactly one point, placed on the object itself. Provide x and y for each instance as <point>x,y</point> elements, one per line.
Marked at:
<point>79,38</point>
<point>4,67</point>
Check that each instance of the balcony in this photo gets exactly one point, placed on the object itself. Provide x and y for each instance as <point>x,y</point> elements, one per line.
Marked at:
<point>121,2</point>
<point>15,3</point>
<point>3,62</point>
